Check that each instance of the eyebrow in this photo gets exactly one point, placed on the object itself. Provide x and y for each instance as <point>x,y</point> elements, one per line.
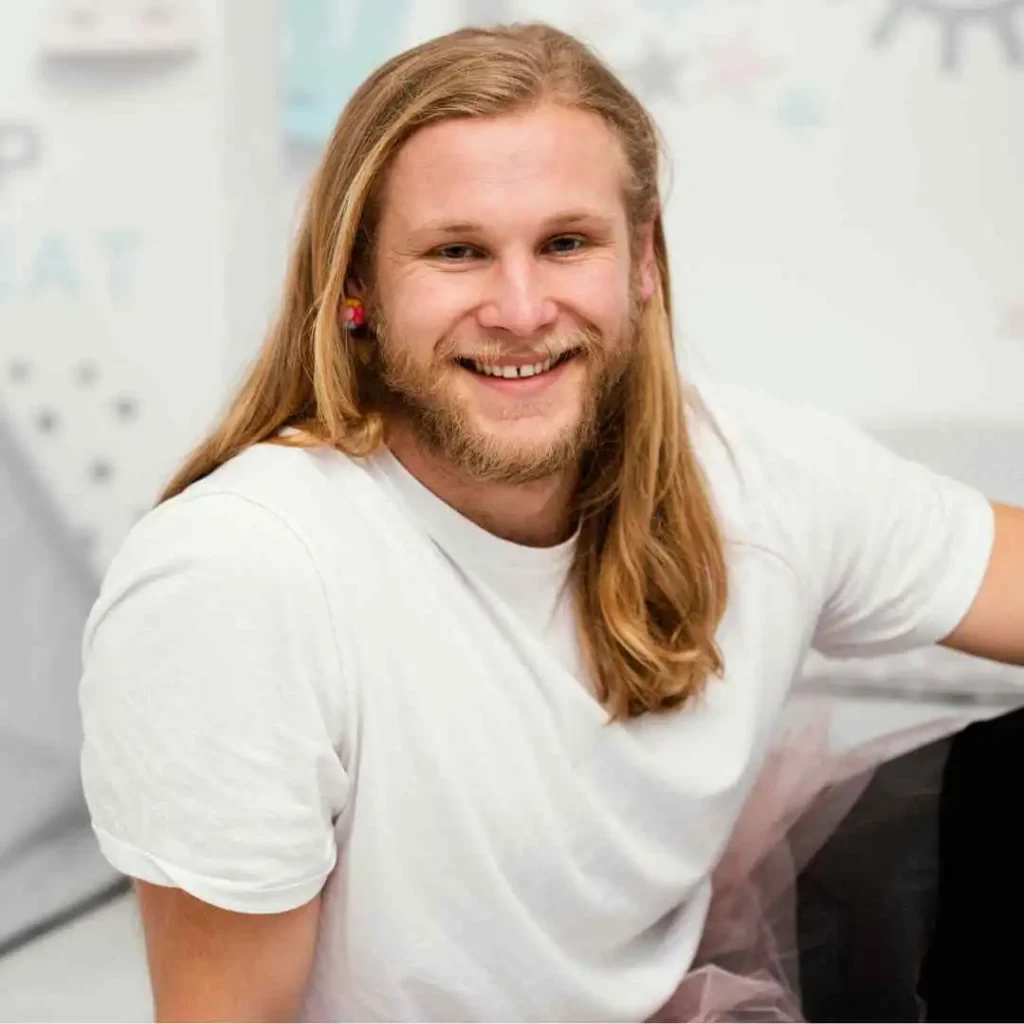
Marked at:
<point>468,227</point>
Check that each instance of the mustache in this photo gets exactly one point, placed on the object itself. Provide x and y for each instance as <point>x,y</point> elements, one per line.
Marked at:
<point>587,339</point>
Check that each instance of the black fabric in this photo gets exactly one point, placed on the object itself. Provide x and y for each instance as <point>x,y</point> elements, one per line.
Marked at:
<point>911,911</point>
<point>974,965</point>
<point>866,902</point>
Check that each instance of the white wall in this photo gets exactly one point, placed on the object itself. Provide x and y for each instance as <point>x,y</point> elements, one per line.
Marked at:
<point>847,214</point>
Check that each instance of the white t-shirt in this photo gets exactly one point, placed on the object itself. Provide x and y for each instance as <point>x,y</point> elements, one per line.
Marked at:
<point>307,671</point>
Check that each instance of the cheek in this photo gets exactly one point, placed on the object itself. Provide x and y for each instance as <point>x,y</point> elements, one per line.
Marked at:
<point>418,313</point>
<point>602,297</point>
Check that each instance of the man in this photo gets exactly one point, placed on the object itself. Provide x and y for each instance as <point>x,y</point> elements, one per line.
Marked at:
<point>434,688</point>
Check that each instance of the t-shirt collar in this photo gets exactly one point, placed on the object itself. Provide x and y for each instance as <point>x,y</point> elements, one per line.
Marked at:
<point>463,539</point>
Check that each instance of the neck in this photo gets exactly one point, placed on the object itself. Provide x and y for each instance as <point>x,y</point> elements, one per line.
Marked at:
<point>536,514</point>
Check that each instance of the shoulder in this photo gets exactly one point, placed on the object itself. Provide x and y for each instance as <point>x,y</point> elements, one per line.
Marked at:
<point>219,593</point>
<point>245,543</point>
<point>263,514</point>
<point>765,435</point>
<point>755,446</point>
<point>236,523</point>
<point>777,469</point>
<point>293,486</point>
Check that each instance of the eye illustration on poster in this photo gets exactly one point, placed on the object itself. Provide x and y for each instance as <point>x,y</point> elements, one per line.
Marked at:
<point>955,19</point>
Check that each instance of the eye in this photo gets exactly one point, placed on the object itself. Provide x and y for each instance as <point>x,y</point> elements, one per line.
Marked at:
<point>456,253</point>
<point>566,245</point>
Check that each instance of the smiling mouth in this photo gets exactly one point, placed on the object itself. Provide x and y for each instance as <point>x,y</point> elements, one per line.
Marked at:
<point>509,372</point>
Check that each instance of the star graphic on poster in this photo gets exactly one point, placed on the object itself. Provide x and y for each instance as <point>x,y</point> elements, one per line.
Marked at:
<point>800,108</point>
<point>1013,319</point>
<point>656,75</point>
<point>736,68</point>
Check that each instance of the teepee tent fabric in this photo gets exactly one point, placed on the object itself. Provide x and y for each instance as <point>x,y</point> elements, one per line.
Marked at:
<point>49,860</point>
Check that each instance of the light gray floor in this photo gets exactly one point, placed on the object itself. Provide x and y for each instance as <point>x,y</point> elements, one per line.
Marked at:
<point>93,969</point>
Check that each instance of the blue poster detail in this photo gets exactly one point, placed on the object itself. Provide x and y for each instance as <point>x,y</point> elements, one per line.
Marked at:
<point>333,46</point>
<point>105,266</point>
<point>7,282</point>
<point>121,248</point>
<point>800,108</point>
<point>51,268</point>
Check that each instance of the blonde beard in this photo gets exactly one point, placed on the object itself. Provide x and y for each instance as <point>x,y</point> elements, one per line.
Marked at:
<point>419,397</point>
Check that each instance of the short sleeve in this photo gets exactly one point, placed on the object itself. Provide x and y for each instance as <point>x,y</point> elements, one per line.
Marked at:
<point>903,550</point>
<point>209,759</point>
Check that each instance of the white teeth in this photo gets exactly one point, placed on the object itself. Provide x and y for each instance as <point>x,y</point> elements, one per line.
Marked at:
<point>511,372</point>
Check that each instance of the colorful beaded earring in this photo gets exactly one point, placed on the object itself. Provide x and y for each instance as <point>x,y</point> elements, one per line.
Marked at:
<point>353,315</point>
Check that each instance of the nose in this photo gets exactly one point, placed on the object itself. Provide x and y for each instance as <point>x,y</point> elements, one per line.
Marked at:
<point>517,301</point>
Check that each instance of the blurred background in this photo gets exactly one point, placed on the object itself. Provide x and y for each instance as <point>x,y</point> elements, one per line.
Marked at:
<point>845,211</point>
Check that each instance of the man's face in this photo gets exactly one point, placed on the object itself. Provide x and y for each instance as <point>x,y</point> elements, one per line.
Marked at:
<point>506,296</point>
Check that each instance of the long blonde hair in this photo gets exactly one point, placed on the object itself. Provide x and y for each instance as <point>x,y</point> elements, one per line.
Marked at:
<point>649,576</point>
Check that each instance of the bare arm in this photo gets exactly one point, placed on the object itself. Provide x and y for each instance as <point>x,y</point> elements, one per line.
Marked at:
<point>216,965</point>
<point>994,627</point>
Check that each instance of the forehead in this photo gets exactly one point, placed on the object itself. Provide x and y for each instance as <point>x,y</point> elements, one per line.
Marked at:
<point>513,168</point>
